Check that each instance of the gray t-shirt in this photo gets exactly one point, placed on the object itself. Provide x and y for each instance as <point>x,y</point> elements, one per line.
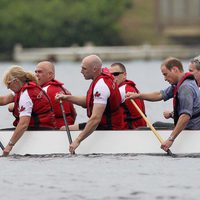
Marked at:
<point>189,101</point>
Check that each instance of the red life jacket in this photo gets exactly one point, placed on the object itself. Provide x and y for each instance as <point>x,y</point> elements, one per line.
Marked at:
<point>42,115</point>
<point>112,118</point>
<point>54,87</point>
<point>132,118</point>
<point>187,75</point>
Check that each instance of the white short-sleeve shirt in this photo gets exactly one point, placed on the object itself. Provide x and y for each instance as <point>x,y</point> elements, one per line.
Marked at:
<point>101,92</point>
<point>25,104</point>
<point>45,88</point>
<point>122,91</point>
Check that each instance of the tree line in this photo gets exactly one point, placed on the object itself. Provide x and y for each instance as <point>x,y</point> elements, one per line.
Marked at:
<point>57,23</point>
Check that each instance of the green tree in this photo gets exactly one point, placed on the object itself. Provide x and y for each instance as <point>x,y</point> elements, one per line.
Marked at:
<point>50,23</point>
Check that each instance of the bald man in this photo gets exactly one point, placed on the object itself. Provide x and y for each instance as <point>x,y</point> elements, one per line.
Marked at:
<point>45,73</point>
<point>102,100</point>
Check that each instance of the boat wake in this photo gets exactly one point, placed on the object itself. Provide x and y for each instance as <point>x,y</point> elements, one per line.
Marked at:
<point>68,155</point>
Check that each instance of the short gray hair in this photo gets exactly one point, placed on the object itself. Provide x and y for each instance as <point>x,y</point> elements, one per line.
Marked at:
<point>196,61</point>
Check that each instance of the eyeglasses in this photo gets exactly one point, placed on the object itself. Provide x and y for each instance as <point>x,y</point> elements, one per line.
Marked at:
<point>117,73</point>
<point>10,82</point>
<point>38,71</point>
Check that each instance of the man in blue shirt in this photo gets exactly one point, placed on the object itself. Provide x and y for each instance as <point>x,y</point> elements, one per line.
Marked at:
<point>186,98</point>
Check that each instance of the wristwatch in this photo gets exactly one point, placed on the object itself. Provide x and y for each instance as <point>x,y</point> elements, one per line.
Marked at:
<point>171,138</point>
<point>10,143</point>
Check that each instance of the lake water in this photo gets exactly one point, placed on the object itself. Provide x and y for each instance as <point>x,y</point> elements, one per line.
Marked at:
<point>96,177</point>
<point>100,177</point>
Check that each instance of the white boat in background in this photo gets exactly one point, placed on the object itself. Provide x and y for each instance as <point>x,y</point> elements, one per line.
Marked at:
<point>102,142</point>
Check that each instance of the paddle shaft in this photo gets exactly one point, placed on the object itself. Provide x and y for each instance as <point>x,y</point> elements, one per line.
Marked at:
<point>66,124</point>
<point>1,146</point>
<point>150,125</point>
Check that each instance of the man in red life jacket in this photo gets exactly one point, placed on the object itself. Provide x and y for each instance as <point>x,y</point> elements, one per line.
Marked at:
<point>45,73</point>
<point>102,101</point>
<point>186,98</point>
<point>132,118</point>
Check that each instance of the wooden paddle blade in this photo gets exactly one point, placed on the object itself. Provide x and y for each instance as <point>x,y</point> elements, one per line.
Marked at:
<point>150,126</point>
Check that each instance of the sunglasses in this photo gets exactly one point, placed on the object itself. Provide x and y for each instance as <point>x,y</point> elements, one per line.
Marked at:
<point>117,73</point>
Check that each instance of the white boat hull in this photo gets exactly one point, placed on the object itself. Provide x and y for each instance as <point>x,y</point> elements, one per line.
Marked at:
<point>102,142</point>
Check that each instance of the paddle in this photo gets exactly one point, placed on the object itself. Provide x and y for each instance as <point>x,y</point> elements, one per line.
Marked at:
<point>66,124</point>
<point>150,126</point>
<point>1,145</point>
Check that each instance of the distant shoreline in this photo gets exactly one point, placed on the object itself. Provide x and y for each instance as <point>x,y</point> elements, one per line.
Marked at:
<point>114,53</point>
